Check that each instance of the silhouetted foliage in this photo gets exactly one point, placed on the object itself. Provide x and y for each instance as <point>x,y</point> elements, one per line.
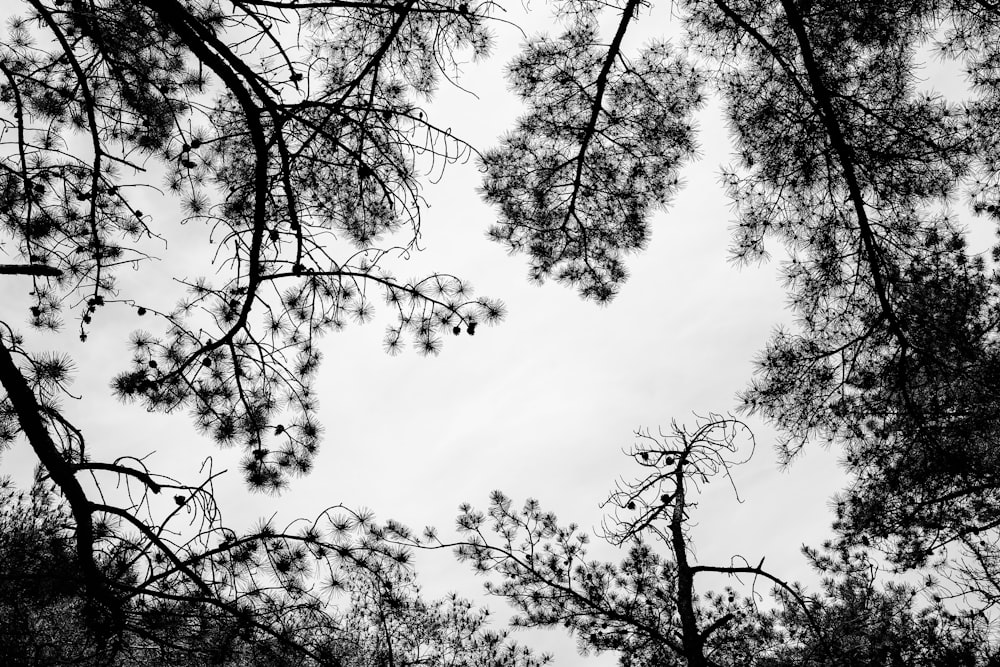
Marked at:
<point>648,609</point>
<point>856,619</point>
<point>295,133</point>
<point>368,612</point>
<point>316,153</point>
<point>846,161</point>
<point>43,608</point>
<point>598,149</point>
<point>850,163</point>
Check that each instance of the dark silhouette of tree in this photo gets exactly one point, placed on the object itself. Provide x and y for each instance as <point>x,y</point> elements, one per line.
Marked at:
<point>294,132</point>
<point>850,164</point>
<point>858,620</point>
<point>648,608</point>
<point>364,616</point>
<point>42,601</point>
<point>321,142</point>
<point>852,167</point>
<point>599,148</point>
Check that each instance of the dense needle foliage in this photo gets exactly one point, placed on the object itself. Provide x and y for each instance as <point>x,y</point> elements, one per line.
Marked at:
<point>296,133</point>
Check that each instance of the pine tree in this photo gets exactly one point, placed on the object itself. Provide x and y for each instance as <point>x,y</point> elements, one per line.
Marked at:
<point>295,134</point>
<point>654,607</point>
<point>857,170</point>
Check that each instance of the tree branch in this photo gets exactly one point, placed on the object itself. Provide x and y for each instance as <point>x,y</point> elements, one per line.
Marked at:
<point>845,157</point>
<point>29,270</point>
<point>60,470</point>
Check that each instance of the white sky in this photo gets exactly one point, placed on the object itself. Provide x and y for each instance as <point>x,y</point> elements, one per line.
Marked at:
<point>539,406</point>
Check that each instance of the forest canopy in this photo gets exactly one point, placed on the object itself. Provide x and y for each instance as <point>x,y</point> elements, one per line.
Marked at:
<point>300,134</point>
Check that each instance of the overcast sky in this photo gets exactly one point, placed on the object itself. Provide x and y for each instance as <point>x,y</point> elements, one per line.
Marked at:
<point>540,405</point>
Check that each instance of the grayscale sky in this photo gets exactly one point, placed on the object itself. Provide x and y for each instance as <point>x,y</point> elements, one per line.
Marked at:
<point>541,405</point>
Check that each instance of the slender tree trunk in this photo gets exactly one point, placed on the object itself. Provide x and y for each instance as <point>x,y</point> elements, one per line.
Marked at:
<point>694,650</point>
<point>61,472</point>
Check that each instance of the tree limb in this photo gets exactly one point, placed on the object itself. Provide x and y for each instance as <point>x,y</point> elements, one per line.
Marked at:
<point>29,270</point>
<point>61,471</point>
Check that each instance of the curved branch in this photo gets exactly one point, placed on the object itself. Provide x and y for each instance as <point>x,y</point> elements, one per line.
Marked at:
<point>759,571</point>
<point>197,38</point>
<point>142,476</point>
<point>60,470</point>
